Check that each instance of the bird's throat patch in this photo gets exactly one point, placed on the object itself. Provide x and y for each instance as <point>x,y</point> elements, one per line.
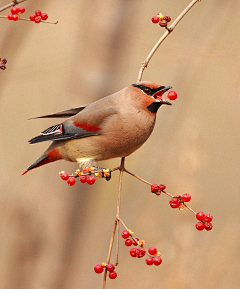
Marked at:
<point>153,107</point>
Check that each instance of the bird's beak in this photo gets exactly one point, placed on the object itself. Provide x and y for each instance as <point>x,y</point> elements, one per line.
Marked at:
<point>158,95</point>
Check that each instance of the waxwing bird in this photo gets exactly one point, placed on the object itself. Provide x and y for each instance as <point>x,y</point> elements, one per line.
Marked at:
<point>111,127</point>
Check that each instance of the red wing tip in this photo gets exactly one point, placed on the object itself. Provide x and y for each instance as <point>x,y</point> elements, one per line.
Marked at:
<point>24,172</point>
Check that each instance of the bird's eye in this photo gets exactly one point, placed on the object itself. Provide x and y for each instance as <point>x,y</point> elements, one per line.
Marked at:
<point>147,90</point>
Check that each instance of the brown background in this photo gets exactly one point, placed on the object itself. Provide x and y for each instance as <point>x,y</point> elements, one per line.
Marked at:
<point>52,235</point>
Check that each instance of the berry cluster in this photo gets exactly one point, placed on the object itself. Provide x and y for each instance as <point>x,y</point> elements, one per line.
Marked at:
<point>205,221</point>
<point>109,267</point>
<point>172,95</point>
<point>15,13</point>
<point>38,16</point>
<point>3,63</point>
<point>71,179</point>
<point>157,189</point>
<point>178,201</point>
<point>154,255</point>
<point>162,20</point>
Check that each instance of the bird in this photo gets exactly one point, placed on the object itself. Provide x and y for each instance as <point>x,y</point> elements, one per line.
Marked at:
<point>113,126</point>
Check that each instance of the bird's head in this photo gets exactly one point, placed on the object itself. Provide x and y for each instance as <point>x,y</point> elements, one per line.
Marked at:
<point>152,93</point>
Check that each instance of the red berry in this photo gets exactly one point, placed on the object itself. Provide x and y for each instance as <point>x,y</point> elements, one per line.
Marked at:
<point>200,226</point>
<point>162,187</point>
<point>38,13</point>
<point>152,250</point>
<point>83,179</point>
<point>65,176</point>
<point>133,252</point>
<point>174,202</point>
<point>149,261</point>
<point>21,9</point>
<point>128,242</point>
<point>186,197</point>
<point>155,19</point>
<point>91,180</point>
<point>208,218</point>
<point>200,216</point>
<point>112,275</point>
<point>157,260</point>
<point>14,10</point>
<point>37,19</point>
<point>163,23</point>
<point>10,16</point>
<point>134,242</point>
<point>98,268</point>
<point>125,234</point>
<point>172,95</point>
<point>15,17</point>
<point>32,17</point>
<point>208,226</point>
<point>110,267</point>
<point>44,16</point>
<point>71,181</point>
<point>155,188</point>
<point>141,252</point>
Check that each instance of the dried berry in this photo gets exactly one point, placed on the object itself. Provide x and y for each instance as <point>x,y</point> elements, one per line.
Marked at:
<point>163,23</point>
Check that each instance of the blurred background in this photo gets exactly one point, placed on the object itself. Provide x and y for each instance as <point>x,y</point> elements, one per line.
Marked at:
<point>52,235</point>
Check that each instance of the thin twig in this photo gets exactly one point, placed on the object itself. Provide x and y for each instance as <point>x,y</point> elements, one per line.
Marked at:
<point>11,4</point>
<point>25,19</point>
<point>142,180</point>
<point>116,225</point>
<point>169,30</point>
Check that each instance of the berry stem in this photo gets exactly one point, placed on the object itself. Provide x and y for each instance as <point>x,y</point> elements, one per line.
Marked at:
<point>25,19</point>
<point>13,3</point>
<point>169,30</point>
<point>142,180</point>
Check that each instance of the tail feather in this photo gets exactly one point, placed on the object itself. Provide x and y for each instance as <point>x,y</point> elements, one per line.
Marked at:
<point>51,156</point>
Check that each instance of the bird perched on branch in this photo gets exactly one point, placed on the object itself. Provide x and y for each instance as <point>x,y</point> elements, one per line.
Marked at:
<point>111,127</point>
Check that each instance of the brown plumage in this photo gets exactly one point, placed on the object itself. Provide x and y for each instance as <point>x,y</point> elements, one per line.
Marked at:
<point>114,126</point>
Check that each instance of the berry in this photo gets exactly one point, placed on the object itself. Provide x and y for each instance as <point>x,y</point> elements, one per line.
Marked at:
<point>157,260</point>
<point>200,216</point>
<point>162,187</point>
<point>3,67</point>
<point>21,9</point>
<point>37,19</point>
<point>155,188</point>
<point>128,242</point>
<point>83,179</point>
<point>91,180</point>
<point>32,17</point>
<point>110,267</point>
<point>200,226</point>
<point>186,197</point>
<point>10,16</point>
<point>167,18</point>
<point>208,218</point>
<point>174,202</point>
<point>15,17</point>
<point>98,268</point>
<point>112,275</point>
<point>44,16</point>
<point>133,252</point>
<point>172,95</point>
<point>208,226</point>
<point>152,251</point>
<point>14,10</point>
<point>163,23</point>
<point>71,181</point>
<point>134,242</point>
<point>155,19</point>
<point>149,261</point>
<point>125,234</point>
<point>38,13</point>
<point>65,176</point>
<point>141,252</point>
<point>4,61</point>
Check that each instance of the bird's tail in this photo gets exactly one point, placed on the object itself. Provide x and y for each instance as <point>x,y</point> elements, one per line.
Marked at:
<point>48,157</point>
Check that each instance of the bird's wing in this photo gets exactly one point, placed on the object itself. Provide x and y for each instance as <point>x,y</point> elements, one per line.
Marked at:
<point>84,124</point>
<point>64,113</point>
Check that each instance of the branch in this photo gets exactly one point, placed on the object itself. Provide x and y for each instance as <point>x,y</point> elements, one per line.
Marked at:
<point>15,2</point>
<point>25,19</point>
<point>169,30</point>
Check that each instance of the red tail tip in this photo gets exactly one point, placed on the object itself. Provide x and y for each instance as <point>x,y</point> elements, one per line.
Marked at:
<point>24,172</point>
